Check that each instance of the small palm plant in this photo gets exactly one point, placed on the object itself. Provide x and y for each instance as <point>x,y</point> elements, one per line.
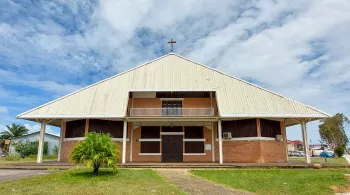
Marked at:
<point>95,151</point>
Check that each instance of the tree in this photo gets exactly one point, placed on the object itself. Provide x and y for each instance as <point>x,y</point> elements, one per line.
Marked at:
<point>332,130</point>
<point>14,131</point>
<point>339,150</point>
<point>96,150</point>
<point>29,148</point>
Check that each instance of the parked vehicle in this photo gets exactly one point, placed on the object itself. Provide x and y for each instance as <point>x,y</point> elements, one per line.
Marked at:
<point>316,152</point>
<point>296,153</point>
<point>3,154</point>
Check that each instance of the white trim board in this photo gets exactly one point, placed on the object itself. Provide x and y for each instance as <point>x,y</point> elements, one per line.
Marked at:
<point>150,140</point>
<point>194,140</point>
<point>150,154</point>
<point>194,154</point>
<point>74,139</point>
<point>119,139</point>
<point>248,139</point>
<point>171,133</point>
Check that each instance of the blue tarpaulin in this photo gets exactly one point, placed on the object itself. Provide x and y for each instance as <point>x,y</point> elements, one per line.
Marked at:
<point>326,155</point>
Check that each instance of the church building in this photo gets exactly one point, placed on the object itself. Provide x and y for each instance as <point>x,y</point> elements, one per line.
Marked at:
<point>173,109</point>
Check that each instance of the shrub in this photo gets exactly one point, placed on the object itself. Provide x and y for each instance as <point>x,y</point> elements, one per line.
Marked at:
<point>96,150</point>
<point>29,148</point>
<point>339,150</point>
<point>55,150</point>
<point>13,157</point>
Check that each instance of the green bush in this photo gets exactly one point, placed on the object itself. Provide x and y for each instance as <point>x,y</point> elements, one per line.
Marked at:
<point>55,150</point>
<point>96,150</point>
<point>339,150</point>
<point>27,148</point>
<point>13,157</point>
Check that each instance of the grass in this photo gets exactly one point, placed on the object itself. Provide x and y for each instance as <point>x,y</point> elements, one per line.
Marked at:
<point>279,181</point>
<point>331,161</point>
<point>84,182</point>
<point>31,158</point>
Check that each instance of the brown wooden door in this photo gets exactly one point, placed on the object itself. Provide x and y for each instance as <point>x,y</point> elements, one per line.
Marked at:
<point>172,148</point>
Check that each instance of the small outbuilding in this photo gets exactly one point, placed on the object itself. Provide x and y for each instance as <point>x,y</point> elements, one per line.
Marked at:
<point>53,141</point>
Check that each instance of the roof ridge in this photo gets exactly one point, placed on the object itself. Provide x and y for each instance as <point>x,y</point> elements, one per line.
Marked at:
<point>35,133</point>
<point>86,87</point>
<point>249,83</point>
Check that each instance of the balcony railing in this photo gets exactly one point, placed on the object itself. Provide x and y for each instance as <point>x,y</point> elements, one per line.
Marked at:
<point>173,112</point>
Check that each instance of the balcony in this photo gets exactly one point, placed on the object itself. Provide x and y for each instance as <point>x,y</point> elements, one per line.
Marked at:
<point>172,112</point>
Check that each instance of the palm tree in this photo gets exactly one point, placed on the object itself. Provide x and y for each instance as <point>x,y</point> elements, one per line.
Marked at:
<point>95,151</point>
<point>14,131</point>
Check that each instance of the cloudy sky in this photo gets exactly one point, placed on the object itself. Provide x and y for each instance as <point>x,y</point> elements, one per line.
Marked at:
<point>298,48</point>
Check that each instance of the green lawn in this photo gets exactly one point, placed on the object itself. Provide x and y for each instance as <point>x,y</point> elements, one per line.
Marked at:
<point>331,161</point>
<point>279,181</point>
<point>84,182</point>
<point>5,162</point>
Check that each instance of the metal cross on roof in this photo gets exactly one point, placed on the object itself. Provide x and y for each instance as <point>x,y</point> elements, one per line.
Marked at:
<point>171,42</point>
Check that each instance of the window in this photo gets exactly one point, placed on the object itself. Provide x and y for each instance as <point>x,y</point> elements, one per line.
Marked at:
<point>194,147</point>
<point>150,147</point>
<point>75,129</point>
<point>115,128</point>
<point>193,133</point>
<point>240,128</point>
<point>270,128</point>
<point>150,132</point>
<point>172,108</point>
<point>147,146</point>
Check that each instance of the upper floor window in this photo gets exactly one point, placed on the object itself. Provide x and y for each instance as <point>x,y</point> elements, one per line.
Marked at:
<point>75,129</point>
<point>115,128</point>
<point>270,128</point>
<point>240,128</point>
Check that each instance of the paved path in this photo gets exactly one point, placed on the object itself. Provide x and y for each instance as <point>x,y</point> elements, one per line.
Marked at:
<point>347,157</point>
<point>10,174</point>
<point>195,185</point>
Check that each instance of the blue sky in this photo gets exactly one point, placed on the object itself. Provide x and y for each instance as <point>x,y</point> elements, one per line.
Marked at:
<point>299,48</point>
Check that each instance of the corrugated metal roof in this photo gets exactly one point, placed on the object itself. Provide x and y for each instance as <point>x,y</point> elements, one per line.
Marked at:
<point>235,97</point>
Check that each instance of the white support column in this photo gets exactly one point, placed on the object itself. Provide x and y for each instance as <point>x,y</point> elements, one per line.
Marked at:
<point>60,144</point>
<point>220,141</point>
<point>212,142</point>
<point>124,141</point>
<point>131,137</point>
<point>41,143</point>
<point>305,142</point>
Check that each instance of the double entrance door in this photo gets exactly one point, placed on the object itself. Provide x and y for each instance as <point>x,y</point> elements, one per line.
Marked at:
<point>172,144</point>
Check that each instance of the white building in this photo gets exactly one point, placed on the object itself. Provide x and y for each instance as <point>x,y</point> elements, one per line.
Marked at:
<point>53,140</point>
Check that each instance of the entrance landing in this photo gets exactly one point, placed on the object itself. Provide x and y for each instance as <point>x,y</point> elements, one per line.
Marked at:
<point>291,165</point>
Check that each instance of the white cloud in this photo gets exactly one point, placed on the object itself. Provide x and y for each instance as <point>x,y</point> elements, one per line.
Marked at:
<point>3,110</point>
<point>296,48</point>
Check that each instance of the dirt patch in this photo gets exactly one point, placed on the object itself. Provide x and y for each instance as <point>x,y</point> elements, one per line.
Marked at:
<point>195,185</point>
<point>342,189</point>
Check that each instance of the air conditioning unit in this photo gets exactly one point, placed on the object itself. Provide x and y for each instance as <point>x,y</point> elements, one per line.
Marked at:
<point>279,138</point>
<point>227,135</point>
